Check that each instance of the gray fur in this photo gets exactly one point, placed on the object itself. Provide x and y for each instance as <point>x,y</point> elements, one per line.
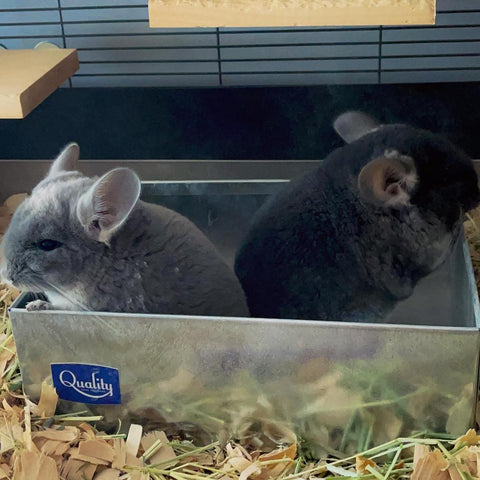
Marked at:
<point>153,261</point>
<point>350,239</point>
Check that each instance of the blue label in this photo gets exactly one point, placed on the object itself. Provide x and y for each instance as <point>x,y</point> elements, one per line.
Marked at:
<point>81,382</point>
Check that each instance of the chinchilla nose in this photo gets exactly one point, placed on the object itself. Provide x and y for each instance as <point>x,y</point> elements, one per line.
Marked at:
<point>3,274</point>
<point>6,276</point>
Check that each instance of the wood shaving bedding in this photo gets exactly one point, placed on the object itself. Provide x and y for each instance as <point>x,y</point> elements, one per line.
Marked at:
<point>37,445</point>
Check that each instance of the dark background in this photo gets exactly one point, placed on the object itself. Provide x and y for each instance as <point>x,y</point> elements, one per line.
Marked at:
<point>231,123</point>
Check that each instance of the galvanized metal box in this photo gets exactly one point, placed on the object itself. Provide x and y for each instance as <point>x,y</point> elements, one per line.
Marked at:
<point>339,386</point>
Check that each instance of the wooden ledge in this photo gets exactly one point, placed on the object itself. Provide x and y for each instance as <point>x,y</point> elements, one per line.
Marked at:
<point>282,13</point>
<point>27,77</point>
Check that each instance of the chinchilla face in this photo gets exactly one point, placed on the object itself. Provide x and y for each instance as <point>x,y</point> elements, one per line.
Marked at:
<point>58,236</point>
<point>411,167</point>
<point>430,172</point>
<point>447,182</point>
<point>45,247</point>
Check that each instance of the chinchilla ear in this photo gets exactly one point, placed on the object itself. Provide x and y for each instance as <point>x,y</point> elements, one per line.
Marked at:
<point>353,125</point>
<point>104,207</point>
<point>66,161</point>
<point>388,181</point>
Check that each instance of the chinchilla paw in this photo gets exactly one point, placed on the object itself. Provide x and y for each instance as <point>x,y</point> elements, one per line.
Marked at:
<point>38,305</point>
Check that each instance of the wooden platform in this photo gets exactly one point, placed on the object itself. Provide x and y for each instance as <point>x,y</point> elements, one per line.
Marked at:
<point>281,13</point>
<point>27,77</point>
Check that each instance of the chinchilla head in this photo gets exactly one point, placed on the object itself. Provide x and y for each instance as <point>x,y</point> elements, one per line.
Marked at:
<point>58,234</point>
<point>401,166</point>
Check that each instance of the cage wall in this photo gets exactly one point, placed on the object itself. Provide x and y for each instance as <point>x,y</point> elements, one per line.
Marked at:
<point>117,47</point>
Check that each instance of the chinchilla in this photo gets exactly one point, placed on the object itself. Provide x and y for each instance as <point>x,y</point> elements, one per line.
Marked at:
<point>90,243</point>
<point>350,239</point>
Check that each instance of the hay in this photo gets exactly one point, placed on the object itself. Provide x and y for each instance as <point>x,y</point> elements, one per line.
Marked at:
<point>472,232</point>
<point>37,445</point>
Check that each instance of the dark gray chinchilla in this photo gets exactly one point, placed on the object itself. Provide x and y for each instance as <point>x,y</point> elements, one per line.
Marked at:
<point>91,244</point>
<point>350,239</point>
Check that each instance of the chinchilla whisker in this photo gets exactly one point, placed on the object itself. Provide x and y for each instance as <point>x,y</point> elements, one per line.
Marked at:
<point>79,304</point>
<point>36,295</point>
<point>39,287</point>
<point>67,297</point>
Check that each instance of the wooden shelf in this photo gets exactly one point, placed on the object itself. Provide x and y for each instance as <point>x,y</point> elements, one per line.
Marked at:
<point>27,77</point>
<point>283,13</point>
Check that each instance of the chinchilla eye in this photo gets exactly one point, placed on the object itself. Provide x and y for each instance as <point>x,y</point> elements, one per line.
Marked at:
<point>47,244</point>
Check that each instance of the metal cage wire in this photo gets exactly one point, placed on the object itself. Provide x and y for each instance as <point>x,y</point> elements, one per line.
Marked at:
<point>117,48</point>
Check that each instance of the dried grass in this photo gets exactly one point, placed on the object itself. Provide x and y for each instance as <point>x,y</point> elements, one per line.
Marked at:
<point>472,232</point>
<point>37,445</point>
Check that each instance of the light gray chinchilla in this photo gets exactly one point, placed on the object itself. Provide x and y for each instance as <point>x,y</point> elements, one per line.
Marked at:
<point>350,239</point>
<point>91,244</point>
